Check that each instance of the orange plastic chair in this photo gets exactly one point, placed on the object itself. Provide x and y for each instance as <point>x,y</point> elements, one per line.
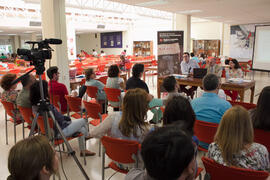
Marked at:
<point>74,105</point>
<point>9,108</point>
<point>94,111</point>
<point>55,101</point>
<point>220,172</point>
<point>113,95</point>
<point>15,71</point>
<point>128,67</point>
<point>248,106</point>
<point>119,150</point>
<point>11,65</point>
<point>92,91</point>
<point>103,79</point>
<point>27,115</point>
<point>262,137</point>
<point>205,131</point>
<point>101,67</point>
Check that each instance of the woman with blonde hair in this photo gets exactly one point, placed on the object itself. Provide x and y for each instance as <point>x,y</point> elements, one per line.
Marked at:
<point>129,123</point>
<point>233,143</point>
<point>32,159</point>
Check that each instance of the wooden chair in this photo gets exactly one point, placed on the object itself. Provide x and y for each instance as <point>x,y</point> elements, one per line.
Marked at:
<point>119,150</point>
<point>205,131</point>
<point>219,172</point>
<point>9,109</point>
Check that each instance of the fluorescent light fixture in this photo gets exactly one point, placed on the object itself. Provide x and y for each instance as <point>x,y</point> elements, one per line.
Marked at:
<point>152,3</point>
<point>213,17</point>
<point>29,32</point>
<point>1,31</point>
<point>11,34</point>
<point>189,11</point>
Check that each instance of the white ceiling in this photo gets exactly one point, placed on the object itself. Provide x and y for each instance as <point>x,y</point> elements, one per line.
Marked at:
<point>227,11</point>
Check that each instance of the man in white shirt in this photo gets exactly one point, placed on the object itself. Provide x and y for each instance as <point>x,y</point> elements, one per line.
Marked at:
<point>187,66</point>
<point>95,54</point>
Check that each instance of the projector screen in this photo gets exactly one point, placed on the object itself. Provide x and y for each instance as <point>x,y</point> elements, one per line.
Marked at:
<point>261,54</point>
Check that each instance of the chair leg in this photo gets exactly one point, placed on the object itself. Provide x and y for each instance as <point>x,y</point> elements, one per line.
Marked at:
<point>99,148</point>
<point>103,163</point>
<point>6,128</point>
<point>15,131</point>
<point>23,129</point>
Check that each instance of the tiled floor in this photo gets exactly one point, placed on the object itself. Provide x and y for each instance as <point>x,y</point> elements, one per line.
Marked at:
<point>93,167</point>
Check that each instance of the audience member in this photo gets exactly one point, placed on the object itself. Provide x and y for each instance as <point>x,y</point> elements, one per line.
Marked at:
<point>123,53</point>
<point>210,107</point>
<point>32,159</point>
<point>23,98</point>
<point>94,53</point>
<point>233,72</point>
<point>82,54</point>
<point>10,94</point>
<point>102,53</point>
<point>56,88</point>
<point>167,153</point>
<point>193,57</point>
<point>171,86</point>
<point>68,127</point>
<point>115,81</point>
<point>261,114</point>
<point>123,62</point>
<point>135,81</point>
<point>187,66</point>
<point>214,68</point>
<point>233,143</point>
<point>3,56</point>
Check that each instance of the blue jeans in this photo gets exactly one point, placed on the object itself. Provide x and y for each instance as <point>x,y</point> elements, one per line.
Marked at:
<point>77,125</point>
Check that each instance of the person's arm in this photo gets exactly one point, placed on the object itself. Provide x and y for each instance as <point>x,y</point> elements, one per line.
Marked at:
<point>121,83</point>
<point>103,127</point>
<point>64,89</point>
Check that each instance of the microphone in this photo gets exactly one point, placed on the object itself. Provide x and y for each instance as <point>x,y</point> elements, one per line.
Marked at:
<point>189,70</point>
<point>53,41</point>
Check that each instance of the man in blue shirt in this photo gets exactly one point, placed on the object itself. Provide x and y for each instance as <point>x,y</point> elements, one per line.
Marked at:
<point>210,107</point>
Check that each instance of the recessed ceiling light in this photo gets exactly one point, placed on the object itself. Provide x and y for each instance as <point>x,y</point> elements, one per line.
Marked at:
<point>213,17</point>
<point>189,11</point>
<point>152,3</point>
<point>11,34</point>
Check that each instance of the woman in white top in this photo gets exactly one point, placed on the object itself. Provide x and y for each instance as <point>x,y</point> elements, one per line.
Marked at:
<point>114,81</point>
<point>233,72</point>
<point>234,145</point>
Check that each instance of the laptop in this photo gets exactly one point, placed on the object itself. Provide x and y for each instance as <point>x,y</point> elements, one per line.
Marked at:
<point>199,72</point>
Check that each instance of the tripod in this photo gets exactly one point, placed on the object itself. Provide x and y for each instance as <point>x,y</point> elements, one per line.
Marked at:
<point>44,109</point>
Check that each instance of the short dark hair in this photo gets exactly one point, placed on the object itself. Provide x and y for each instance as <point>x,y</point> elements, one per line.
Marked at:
<point>210,82</point>
<point>35,96</point>
<point>169,83</point>
<point>102,51</point>
<point>113,71</point>
<point>261,119</point>
<point>93,49</point>
<point>177,110</point>
<point>192,54</point>
<point>186,53</point>
<point>137,69</point>
<point>236,64</point>
<point>6,81</point>
<point>125,50</point>
<point>166,153</point>
<point>51,71</point>
<point>88,73</point>
<point>25,80</point>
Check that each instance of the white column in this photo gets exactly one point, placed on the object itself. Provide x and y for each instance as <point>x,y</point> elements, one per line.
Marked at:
<point>183,22</point>
<point>54,26</point>
<point>33,37</point>
<point>17,43</point>
<point>71,41</point>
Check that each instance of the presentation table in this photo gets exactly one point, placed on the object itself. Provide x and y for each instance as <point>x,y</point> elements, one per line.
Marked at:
<point>239,87</point>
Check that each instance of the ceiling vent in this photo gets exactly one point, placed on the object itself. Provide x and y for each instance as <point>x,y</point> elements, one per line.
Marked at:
<point>35,23</point>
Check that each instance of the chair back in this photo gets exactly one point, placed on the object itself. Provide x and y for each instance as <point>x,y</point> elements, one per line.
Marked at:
<point>74,103</point>
<point>128,65</point>
<point>9,107</point>
<point>120,150</point>
<point>220,172</point>
<point>27,114</point>
<point>205,131</point>
<point>112,94</point>
<point>92,91</point>
<point>40,122</point>
<point>55,101</point>
<point>103,79</point>
<point>82,82</point>
<point>248,106</point>
<point>93,109</point>
<point>15,71</point>
<point>101,67</point>
<point>262,137</point>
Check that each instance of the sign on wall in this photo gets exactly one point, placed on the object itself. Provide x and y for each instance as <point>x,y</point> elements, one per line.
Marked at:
<point>111,40</point>
<point>170,52</point>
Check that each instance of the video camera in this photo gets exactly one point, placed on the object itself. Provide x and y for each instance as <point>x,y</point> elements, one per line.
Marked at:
<point>38,55</point>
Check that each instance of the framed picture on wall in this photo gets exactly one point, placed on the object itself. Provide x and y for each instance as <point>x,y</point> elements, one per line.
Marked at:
<point>111,40</point>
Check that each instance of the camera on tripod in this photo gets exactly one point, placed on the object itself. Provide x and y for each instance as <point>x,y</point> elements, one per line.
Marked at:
<point>38,54</point>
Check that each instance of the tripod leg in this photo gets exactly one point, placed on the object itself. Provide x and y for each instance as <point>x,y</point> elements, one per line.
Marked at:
<point>69,148</point>
<point>34,123</point>
<point>6,128</point>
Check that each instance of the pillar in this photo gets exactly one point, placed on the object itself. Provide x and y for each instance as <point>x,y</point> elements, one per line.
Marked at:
<point>71,41</point>
<point>33,37</point>
<point>54,26</point>
<point>183,23</point>
<point>17,43</point>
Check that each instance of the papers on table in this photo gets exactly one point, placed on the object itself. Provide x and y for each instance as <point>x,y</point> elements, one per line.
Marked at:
<point>178,76</point>
<point>238,80</point>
